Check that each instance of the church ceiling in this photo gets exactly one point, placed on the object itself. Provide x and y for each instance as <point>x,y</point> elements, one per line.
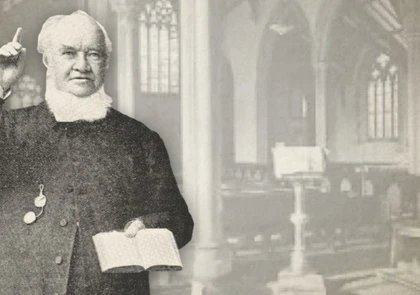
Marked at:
<point>387,14</point>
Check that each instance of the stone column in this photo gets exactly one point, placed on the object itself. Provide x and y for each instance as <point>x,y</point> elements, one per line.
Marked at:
<point>321,104</point>
<point>203,126</point>
<point>198,141</point>
<point>127,30</point>
<point>412,36</point>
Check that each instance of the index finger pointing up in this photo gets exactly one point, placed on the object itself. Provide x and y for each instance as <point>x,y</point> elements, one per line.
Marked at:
<point>18,35</point>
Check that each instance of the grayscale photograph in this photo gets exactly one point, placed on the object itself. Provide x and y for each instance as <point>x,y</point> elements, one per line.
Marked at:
<point>209,147</point>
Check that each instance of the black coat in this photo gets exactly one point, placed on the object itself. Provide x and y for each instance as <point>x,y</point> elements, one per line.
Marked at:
<point>97,176</point>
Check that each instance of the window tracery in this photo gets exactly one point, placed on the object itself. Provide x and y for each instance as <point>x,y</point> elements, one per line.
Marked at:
<point>159,48</point>
<point>383,100</point>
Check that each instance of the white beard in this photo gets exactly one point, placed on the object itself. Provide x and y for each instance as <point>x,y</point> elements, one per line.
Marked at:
<point>67,107</point>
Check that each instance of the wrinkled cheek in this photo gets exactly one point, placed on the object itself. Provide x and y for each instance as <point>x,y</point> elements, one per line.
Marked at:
<point>60,77</point>
<point>99,79</point>
<point>60,82</point>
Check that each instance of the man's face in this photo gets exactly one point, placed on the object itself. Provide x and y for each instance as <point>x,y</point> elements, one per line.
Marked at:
<point>77,58</point>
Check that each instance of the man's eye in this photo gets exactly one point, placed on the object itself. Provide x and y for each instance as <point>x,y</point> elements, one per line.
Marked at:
<point>95,55</point>
<point>68,53</point>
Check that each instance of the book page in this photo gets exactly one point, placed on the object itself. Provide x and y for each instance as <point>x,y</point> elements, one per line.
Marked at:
<point>158,250</point>
<point>117,253</point>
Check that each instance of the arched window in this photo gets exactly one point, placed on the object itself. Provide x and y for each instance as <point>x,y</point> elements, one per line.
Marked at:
<point>383,100</point>
<point>159,48</point>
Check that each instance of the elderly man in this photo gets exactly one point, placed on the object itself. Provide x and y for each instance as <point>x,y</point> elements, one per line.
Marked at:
<point>72,167</point>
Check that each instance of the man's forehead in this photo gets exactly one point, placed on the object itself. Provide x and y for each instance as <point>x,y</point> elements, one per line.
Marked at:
<point>79,45</point>
<point>78,32</point>
<point>76,21</point>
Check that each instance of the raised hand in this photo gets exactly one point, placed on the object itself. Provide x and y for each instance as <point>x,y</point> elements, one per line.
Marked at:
<point>12,60</point>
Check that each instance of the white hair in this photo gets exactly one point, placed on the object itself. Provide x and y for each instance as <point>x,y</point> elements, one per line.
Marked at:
<point>44,37</point>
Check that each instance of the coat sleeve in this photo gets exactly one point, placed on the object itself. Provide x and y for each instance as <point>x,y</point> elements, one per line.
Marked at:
<point>10,132</point>
<point>165,203</point>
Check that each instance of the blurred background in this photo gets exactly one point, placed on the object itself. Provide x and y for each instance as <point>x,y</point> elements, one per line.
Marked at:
<point>225,82</point>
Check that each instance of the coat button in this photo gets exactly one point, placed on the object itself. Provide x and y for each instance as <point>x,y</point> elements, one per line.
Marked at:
<point>58,260</point>
<point>70,189</point>
<point>63,222</point>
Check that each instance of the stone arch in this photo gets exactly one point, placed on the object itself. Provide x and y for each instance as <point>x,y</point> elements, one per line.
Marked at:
<point>287,14</point>
<point>327,12</point>
<point>289,11</point>
<point>345,71</point>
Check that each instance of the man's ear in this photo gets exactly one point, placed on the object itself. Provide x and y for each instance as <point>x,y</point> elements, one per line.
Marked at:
<point>107,61</point>
<point>45,60</point>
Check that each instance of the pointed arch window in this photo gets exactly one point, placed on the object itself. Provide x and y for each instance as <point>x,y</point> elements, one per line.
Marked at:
<point>159,48</point>
<point>383,100</point>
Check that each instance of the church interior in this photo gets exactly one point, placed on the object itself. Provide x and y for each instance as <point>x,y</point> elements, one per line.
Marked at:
<point>241,91</point>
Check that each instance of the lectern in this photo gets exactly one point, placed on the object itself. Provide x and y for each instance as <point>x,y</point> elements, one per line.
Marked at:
<point>298,165</point>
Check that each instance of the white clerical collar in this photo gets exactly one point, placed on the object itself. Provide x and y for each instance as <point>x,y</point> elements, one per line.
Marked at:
<point>67,107</point>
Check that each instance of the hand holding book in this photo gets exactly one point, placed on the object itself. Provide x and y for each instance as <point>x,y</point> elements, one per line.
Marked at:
<point>133,227</point>
<point>150,249</point>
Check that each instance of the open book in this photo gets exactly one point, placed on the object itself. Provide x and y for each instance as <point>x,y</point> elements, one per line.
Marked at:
<point>150,249</point>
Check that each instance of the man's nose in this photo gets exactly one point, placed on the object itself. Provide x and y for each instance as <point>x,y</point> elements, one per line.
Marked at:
<point>82,63</point>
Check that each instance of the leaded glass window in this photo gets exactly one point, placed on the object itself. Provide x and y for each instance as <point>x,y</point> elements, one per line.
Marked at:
<point>159,48</point>
<point>383,100</point>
